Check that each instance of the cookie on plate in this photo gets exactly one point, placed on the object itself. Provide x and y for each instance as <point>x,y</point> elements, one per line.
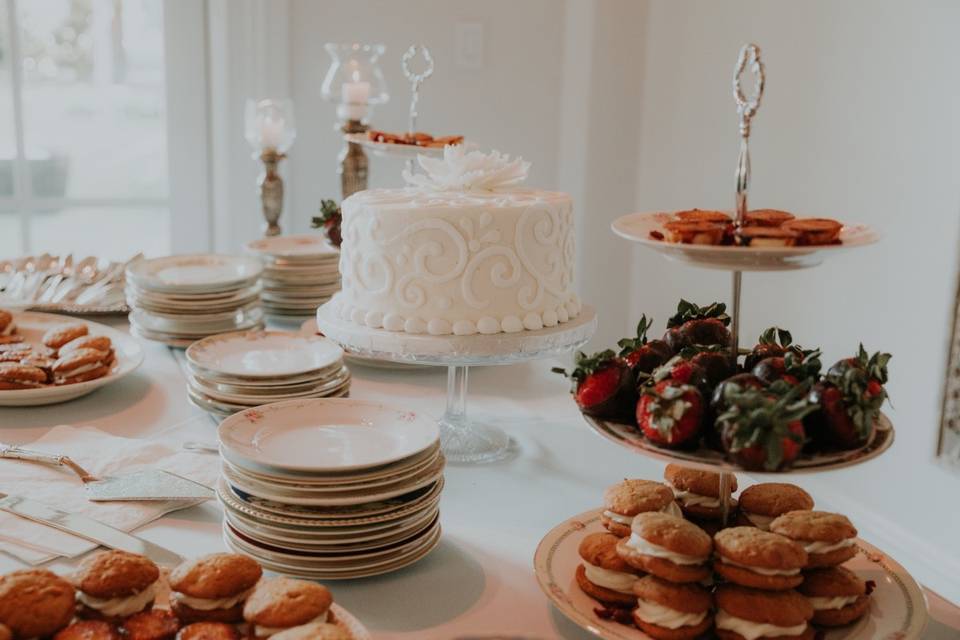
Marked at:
<point>761,503</point>
<point>604,575</point>
<point>698,492</point>
<point>64,333</point>
<point>89,630</point>
<point>669,611</point>
<point>35,603</point>
<point>744,613</point>
<point>14,375</point>
<point>828,538</point>
<point>667,546</point>
<point>100,343</point>
<point>155,624</point>
<point>114,585</point>
<point>8,328</point>
<point>213,588</point>
<point>752,557</point>
<point>15,351</point>
<point>815,231</point>
<point>315,631</point>
<point>682,232</point>
<point>838,596</point>
<point>767,217</point>
<point>278,604</point>
<point>703,215</point>
<point>81,365</point>
<point>624,500</point>
<point>209,631</point>
<point>758,236</point>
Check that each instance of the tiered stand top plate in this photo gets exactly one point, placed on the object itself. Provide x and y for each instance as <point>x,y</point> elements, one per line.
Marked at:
<point>703,458</point>
<point>638,227</point>
<point>499,348</point>
<point>898,608</point>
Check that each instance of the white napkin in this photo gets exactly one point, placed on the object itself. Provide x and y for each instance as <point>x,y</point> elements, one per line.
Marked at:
<point>101,454</point>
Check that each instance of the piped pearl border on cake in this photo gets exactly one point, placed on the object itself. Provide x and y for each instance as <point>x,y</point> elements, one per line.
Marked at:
<point>487,325</point>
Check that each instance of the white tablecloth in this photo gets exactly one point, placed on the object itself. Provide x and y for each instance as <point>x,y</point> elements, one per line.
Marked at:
<point>479,582</point>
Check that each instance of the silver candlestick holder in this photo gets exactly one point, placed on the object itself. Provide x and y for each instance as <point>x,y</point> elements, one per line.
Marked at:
<point>270,129</point>
<point>271,191</point>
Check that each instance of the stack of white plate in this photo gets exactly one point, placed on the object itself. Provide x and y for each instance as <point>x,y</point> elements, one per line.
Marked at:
<point>179,299</point>
<point>231,372</point>
<point>300,273</point>
<point>331,489</point>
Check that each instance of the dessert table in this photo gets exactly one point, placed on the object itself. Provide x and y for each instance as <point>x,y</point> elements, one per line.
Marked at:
<point>479,582</point>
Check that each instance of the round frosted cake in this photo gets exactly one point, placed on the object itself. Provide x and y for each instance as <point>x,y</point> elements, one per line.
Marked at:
<point>462,250</point>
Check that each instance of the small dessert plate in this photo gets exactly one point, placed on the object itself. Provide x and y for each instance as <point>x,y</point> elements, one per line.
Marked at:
<point>194,273</point>
<point>643,228</point>
<point>326,434</point>
<point>304,246</point>
<point>898,608</point>
<point>264,354</point>
<point>392,149</point>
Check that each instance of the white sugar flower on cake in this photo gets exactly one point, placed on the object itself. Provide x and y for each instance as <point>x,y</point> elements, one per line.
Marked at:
<point>462,170</point>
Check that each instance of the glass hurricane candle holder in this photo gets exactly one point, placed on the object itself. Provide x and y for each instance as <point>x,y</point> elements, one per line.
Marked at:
<point>270,129</point>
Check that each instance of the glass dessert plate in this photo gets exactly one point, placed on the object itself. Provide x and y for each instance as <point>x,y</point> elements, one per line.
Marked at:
<point>638,228</point>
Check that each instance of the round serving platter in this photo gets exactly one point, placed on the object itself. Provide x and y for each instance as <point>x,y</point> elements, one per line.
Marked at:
<point>629,436</point>
<point>391,149</point>
<point>898,607</point>
<point>643,227</point>
<point>32,325</point>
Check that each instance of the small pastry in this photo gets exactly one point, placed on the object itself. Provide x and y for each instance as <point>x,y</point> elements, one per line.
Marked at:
<point>61,335</point>
<point>19,351</point>
<point>100,343</point>
<point>316,631</point>
<point>604,575</point>
<point>114,585</point>
<point>753,558</point>
<point>151,625</point>
<point>761,503</point>
<point>278,604</point>
<point>828,538</point>
<point>815,231</point>
<point>14,375</point>
<point>8,328</point>
<point>213,588</point>
<point>670,611</point>
<point>45,363</point>
<point>767,217</point>
<point>5,633</point>
<point>81,365</point>
<point>208,631</point>
<point>681,232</point>
<point>89,630</point>
<point>698,492</point>
<point>624,500</point>
<point>35,603</point>
<point>838,596</point>
<point>667,546</point>
<point>757,236</point>
<point>703,215</point>
<point>751,613</point>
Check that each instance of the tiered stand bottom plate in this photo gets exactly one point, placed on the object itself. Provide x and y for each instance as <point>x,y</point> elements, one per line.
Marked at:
<point>898,607</point>
<point>462,440</point>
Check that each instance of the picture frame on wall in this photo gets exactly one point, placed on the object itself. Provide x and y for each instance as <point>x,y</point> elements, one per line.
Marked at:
<point>948,445</point>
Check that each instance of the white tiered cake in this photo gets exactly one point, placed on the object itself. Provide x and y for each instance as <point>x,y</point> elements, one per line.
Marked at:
<point>461,250</point>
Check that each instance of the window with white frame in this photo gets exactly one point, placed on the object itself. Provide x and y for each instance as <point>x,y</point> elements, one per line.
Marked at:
<point>83,142</point>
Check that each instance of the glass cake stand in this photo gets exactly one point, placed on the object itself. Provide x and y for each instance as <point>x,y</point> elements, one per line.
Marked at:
<point>462,439</point>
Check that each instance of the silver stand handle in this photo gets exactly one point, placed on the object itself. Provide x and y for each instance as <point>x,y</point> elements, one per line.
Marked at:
<point>416,79</point>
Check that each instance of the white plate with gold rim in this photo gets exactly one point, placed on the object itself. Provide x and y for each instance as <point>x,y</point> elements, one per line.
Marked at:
<point>647,229</point>
<point>32,325</point>
<point>194,273</point>
<point>898,607</point>
<point>264,354</point>
<point>310,246</point>
<point>324,435</point>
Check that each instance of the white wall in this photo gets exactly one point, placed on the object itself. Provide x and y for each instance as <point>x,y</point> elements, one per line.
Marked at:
<point>858,122</point>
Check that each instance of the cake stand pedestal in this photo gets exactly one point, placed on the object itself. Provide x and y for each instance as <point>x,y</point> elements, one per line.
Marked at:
<point>462,439</point>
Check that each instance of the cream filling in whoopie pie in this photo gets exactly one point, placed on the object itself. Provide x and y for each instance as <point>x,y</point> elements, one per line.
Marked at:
<point>642,546</point>
<point>751,630</point>
<point>761,570</point>
<point>826,547</point>
<point>759,521</point>
<point>689,499</point>
<point>618,517</point>
<point>208,604</point>
<point>122,606</point>
<point>618,581</point>
<point>81,369</point>
<point>824,604</point>
<point>265,632</point>
<point>672,509</point>
<point>656,613</point>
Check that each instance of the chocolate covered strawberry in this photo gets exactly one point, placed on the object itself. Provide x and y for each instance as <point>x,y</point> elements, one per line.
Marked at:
<point>762,429</point>
<point>695,325</point>
<point>714,360</point>
<point>772,343</point>
<point>644,355</point>
<point>678,370</point>
<point>794,367</point>
<point>603,386</point>
<point>670,413</point>
<point>849,400</point>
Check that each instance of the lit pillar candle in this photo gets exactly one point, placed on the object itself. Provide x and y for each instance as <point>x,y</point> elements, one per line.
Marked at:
<point>270,133</point>
<point>355,92</point>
